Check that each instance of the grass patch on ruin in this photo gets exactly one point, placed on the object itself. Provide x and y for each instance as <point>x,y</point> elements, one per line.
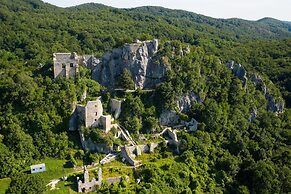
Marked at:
<point>115,163</point>
<point>147,157</point>
<point>4,184</point>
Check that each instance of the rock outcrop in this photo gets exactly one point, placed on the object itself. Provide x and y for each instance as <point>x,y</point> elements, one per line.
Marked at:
<point>116,107</point>
<point>169,118</point>
<point>139,58</point>
<point>253,115</point>
<point>239,71</point>
<point>259,83</point>
<point>184,103</point>
<point>273,104</point>
<point>192,125</point>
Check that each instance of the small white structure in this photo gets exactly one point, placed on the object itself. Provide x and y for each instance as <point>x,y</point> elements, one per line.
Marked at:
<point>37,168</point>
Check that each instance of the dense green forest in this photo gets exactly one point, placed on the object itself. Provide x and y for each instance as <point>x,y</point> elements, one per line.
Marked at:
<point>227,154</point>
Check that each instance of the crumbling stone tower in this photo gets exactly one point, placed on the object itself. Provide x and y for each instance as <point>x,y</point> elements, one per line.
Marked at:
<point>66,65</point>
<point>87,185</point>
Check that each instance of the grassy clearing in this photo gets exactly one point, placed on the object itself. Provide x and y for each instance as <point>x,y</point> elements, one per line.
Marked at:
<point>65,187</point>
<point>55,169</point>
<point>4,184</point>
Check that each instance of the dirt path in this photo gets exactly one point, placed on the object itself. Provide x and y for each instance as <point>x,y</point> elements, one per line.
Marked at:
<point>53,183</point>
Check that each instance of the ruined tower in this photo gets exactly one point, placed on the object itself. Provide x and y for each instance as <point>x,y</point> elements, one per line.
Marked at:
<point>65,65</point>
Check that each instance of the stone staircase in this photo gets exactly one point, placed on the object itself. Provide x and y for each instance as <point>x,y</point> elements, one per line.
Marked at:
<point>108,158</point>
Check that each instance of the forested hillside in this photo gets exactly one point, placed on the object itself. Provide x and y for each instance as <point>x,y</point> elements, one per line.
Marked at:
<point>227,154</point>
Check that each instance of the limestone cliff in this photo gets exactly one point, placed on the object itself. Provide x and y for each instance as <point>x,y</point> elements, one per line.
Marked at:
<point>139,58</point>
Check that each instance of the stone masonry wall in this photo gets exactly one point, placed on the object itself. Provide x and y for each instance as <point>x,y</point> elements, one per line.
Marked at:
<point>93,112</point>
<point>65,65</point>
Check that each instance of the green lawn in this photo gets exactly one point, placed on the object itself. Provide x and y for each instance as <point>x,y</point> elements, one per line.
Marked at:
<point>4,184</point>
<point>55,169</point>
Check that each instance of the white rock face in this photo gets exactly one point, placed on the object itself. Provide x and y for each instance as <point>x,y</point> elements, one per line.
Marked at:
<point>253,115</point>
<point>138,58</point>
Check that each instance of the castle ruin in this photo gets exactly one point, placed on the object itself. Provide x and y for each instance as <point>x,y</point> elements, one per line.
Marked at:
<point>90,115</point>
<point>87,185</point>
<point>67,64</point>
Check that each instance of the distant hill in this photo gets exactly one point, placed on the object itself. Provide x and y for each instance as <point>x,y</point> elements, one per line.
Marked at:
<point>266,27</point>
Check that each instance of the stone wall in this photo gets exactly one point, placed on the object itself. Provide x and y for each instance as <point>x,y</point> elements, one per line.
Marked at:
<point>173,139</point>
<point>65,65</point>
<point>130,152</point>
<point>87,185</point>
<point>112,180</point>
<point>105,121</point>
<point>89,144</point>
<point>128,155</point>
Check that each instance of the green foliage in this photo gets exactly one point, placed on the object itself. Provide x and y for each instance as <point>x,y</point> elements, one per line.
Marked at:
<point>97,135</point>
<point>26,184</point>
<point>133,124</point>
<point>125,80</point>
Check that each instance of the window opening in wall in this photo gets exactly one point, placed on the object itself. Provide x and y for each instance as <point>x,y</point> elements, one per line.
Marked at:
<point>71,64</point>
